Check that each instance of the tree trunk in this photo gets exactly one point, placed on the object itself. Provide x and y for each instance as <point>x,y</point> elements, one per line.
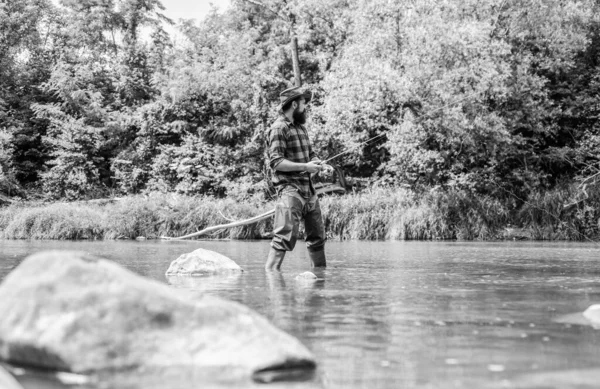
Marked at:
<point>296,62</point>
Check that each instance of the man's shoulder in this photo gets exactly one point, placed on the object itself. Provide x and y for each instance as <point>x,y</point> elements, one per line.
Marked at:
<point>281,121</point>
<point>280,124</point>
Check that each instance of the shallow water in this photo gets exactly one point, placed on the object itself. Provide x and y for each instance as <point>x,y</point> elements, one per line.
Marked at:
<point>405,314</point>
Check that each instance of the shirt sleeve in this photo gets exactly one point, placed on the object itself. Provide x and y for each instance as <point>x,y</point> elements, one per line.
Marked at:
<point>277,145</point>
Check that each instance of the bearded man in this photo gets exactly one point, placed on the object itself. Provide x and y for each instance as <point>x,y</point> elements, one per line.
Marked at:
<point>292,161</point>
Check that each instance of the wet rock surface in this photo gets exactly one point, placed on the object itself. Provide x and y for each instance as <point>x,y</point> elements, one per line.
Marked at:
<point>7,381</point>
<point>589,317</point>
<point>202,262</point>
<point>73,312</point>
<point>593,315</point>
<point>306,277</point>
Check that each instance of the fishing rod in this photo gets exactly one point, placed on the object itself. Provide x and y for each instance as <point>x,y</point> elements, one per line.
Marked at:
<point>577,233</point>
<point>428,114</point>
<point>353,147</point>
<point>272,212</point>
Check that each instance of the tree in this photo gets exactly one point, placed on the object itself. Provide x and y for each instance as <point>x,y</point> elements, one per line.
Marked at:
<point>24,64</point>
<point>458,88</point>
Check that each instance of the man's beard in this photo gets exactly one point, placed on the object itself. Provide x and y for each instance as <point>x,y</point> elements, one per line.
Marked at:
<point>299,117</point>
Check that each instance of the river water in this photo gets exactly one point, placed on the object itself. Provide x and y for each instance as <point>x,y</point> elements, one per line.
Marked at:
<point>405,314</point>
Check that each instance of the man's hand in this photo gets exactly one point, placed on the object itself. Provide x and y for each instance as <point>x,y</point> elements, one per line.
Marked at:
<point>313,167</point>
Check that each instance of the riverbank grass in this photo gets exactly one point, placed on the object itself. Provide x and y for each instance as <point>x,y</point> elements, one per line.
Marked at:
<point>380,213</point>
<point>137,216</point>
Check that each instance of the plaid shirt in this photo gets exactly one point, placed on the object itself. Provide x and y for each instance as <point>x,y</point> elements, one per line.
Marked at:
<point>290,141</point>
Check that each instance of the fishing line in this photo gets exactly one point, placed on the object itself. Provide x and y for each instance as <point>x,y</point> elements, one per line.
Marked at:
<point>547,212</point>
<point>577,233</point>
<point>385,133</point>
<point>354,147</point>
<point>429,114</point>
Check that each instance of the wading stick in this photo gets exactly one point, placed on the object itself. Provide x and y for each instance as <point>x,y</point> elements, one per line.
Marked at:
<point>223,226</point>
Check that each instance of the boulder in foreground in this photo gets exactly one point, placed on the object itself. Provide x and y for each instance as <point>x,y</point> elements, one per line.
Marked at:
<point>202,262</point>
<point>70,311</point>
<point>7,381</point>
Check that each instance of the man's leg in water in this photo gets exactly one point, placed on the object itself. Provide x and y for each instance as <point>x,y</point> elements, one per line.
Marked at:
<point>274,259</point>
<point>288,213</point>
<point>315,233</point>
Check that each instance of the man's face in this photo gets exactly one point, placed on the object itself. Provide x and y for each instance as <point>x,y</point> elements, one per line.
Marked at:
<point>299,113</point>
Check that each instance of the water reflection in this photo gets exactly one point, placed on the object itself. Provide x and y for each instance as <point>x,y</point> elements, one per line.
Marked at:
<point>208,283</point>
<point>408,314</point>
<point>279,298</point>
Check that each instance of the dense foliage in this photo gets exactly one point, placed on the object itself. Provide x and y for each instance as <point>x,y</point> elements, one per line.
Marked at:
<point>495,99</point>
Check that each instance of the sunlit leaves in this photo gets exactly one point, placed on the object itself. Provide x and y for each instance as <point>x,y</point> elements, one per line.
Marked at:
<point>95,94</point>
<point>459,87</point>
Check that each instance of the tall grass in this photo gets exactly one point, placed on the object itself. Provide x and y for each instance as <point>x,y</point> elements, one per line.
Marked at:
<point>380,213</point>
<point>451,215</point>
<point>137,216</point>
<point>400,214</point>
<point>54,221</point>
<point>366,215</point>
<point>565,213</point>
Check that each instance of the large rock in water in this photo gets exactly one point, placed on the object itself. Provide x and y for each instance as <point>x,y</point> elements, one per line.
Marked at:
<point>70,311</point>
<point>7,381</point>
<point>201,262</point>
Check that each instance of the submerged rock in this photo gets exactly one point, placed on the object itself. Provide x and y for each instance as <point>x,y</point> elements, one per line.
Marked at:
<point>589,317</point>
<point>306,276</point>
<point>72,312</point>
<point>593,315</point>
<point>201,262</point>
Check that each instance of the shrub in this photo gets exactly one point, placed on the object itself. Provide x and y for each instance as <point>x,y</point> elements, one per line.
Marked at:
<point>54,221</point>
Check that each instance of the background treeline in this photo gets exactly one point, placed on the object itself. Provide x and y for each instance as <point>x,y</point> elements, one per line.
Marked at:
<point>495,99</point>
